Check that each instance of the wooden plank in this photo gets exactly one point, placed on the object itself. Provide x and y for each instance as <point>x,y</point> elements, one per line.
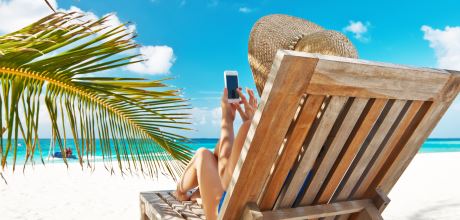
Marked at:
<point>452,87</point>
<point>350,151</point>
<point>178,206</point>
<point>414,137</point>
<point>287,82</point>
<point>294,142</point>
<point>362,160</point>
<point>381,200</point>
<point>294,184</point>
<point>354,78</point>
<point>392,143</point>
<point>318,211</point>
<point>333,152</point>
<point>157,208</point>
<point>401,158</point>
<point>142,208</point>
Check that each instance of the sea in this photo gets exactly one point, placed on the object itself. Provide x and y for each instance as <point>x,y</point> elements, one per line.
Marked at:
<point>431,145</point>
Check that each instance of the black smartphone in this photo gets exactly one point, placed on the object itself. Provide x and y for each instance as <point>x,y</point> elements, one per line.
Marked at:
<point>231,83</point>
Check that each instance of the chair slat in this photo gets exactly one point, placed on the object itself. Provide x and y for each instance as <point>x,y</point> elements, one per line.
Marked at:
<point>402,156</point>
<point>332,153</point>
<point>284,88</point>
<point>318,211</point>
<point>294,184</point>
<point>355,78</point>
<point>361,161</point>
<point>392,143</point>
<point>178,206</point>
<point>350,151</point>
<point>156,208</point>
<point>306,117</point>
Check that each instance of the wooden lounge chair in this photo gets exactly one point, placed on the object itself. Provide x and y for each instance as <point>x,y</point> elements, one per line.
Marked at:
<point>330,139</point>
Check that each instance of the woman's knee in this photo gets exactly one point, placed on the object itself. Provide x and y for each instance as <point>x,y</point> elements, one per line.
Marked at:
<point>203,154</point>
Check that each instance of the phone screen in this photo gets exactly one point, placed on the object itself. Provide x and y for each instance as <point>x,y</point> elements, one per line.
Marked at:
<point>232,85</point>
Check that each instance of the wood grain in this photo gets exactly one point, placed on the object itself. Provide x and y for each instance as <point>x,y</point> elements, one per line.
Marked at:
<point>391,144</point>
<point>402,156</point>
<point>332,153</point>
<point>294,184</point>
<point>178,206</point>
<point>360,78</point>
<point>294,142</point>
<point>318,211</point>
<point>276,110</point>
<point>362,160</point>
<point>350,151</point>
<point>157,208</point>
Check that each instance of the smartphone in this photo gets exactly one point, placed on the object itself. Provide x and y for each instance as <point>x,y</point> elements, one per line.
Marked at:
<point>231,83</point>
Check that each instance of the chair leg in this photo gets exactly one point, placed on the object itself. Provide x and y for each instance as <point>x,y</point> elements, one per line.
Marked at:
<point>143,215</point>
<point>369,213</point>
<point>252,212</point>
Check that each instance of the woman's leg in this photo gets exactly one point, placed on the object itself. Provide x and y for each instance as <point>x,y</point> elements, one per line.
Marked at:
<point>209,181</point>
<point>190,178</point>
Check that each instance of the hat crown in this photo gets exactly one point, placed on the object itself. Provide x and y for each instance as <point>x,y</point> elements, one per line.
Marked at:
<point>273,32</point>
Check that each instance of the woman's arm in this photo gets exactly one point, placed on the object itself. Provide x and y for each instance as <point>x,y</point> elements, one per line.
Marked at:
<point>226,133</point>
<point>230,154</point>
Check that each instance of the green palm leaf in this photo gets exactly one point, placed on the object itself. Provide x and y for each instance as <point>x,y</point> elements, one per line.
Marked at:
<point>132,118</point>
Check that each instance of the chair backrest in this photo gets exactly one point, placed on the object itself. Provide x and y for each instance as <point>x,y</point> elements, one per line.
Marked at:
<point>332,129</point>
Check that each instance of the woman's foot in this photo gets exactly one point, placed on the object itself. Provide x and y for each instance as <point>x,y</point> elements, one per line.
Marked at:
<point>195,195</point>
<point>181,196</point>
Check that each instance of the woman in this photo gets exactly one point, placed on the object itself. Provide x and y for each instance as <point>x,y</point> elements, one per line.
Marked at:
<point>212,171</point>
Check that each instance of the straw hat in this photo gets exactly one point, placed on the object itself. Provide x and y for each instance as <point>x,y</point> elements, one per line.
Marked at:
<point>274,32</point>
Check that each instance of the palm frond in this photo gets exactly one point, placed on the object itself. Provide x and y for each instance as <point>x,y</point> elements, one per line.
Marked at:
<point>131,118</point>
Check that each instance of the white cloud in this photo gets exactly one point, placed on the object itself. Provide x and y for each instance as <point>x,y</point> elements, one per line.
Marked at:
<point>206,122</point>
<point>15,14</point>
<point>359,30</point>
<point>205,116</point>
<point>158,60</point>
<point>216,115</point>
<point>245,10</point>
<point>112,21</point>
<point>199,115</point>
<point>446,45</point>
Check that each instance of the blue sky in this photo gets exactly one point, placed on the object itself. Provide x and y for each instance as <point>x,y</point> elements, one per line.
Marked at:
<point>202,38</point>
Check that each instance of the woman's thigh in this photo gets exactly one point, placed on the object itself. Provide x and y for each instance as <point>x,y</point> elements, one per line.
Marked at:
<point>209,181</point>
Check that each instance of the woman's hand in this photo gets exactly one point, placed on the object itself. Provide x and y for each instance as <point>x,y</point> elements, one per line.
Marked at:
<point>250,106</point>
<point>228,109</point>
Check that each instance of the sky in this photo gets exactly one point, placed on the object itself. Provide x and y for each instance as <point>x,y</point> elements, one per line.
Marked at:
<point>195,41</point>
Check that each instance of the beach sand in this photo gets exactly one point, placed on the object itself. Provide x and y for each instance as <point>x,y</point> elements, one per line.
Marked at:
<point>429,189</point>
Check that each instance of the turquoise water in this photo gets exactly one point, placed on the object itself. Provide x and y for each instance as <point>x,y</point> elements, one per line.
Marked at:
<point>430,146</point>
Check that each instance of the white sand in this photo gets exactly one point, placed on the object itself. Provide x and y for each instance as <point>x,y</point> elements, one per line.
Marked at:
<point>429,189</point>
<point>57,193</point>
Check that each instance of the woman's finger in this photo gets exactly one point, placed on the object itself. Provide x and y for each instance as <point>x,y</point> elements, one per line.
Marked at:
<point>240,111</point>
<point>243,98</point>
<point>252,98</point>
<point>225,95</point>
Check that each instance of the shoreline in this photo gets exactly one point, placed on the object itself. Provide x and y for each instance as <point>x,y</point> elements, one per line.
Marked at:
<point>428,189</point>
